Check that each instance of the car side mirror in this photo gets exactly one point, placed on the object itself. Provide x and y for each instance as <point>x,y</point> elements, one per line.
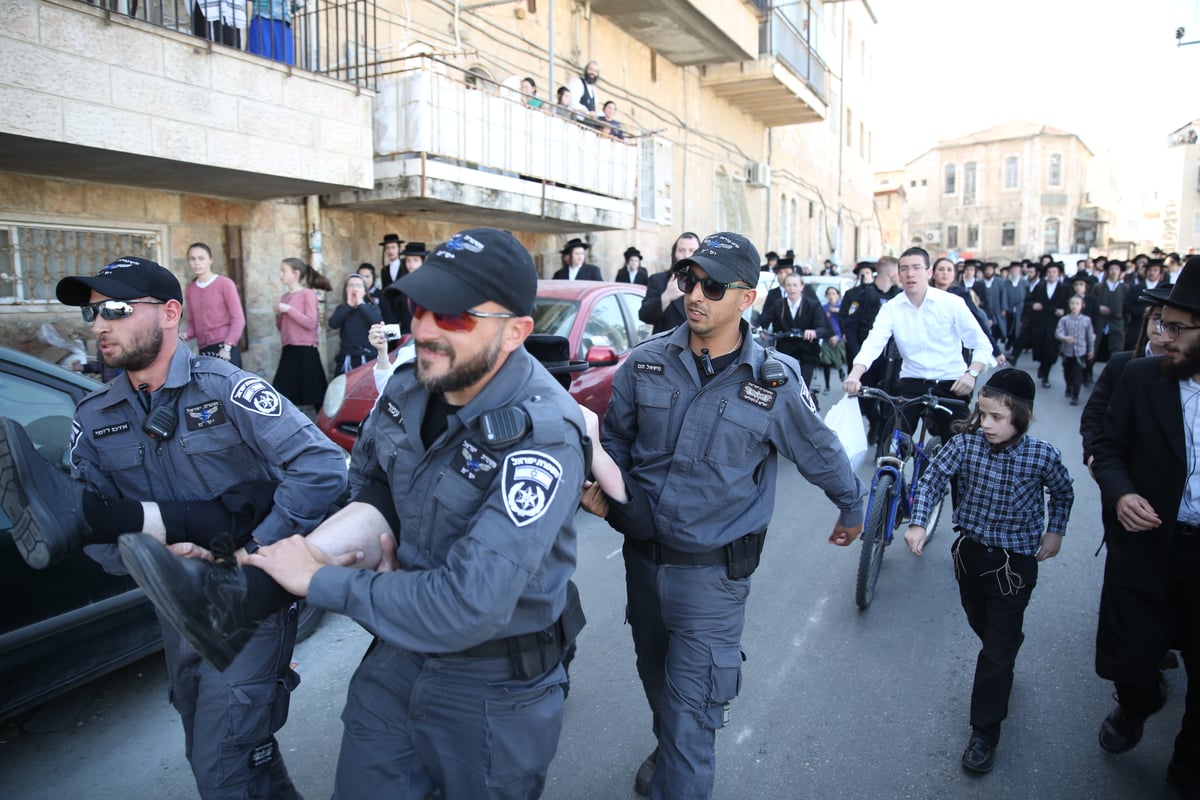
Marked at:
<point>601,356</point>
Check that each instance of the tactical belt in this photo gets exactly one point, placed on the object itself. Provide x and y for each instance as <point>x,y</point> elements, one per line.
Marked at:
<point>1187,529</point>
<point>545,641</point>
<point>741,556</point>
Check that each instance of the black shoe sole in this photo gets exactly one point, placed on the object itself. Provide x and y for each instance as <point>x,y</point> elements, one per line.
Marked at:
<point>28,518</point>
<point>142,562</point>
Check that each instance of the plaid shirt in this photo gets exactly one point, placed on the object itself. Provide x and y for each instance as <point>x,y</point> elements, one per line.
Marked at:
<point>1079,328</point>
<point>1002,492</point>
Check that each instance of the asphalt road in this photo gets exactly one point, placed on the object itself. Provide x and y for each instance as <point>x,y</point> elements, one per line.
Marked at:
<point>835,703</point>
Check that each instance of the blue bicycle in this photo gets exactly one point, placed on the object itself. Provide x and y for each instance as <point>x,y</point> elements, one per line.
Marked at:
<point>894,485</point>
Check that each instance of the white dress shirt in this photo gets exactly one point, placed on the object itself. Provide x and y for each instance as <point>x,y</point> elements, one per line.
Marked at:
<point>930,337</point>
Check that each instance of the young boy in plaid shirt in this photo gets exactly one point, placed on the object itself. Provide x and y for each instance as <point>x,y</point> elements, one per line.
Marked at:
<point>1003,476</point>
<point>1078,339</point>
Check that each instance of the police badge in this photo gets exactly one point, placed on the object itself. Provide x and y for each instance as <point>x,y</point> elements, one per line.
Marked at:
<point>529,482</point>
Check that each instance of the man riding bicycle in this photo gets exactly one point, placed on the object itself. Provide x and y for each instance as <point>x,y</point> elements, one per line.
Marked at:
<point>931,329</point>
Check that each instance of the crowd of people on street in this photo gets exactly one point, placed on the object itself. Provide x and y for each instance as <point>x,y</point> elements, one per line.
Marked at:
<point>450,536</point>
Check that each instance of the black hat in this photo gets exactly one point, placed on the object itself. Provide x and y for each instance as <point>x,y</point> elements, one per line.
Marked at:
<point>630,252</point>
<point>414,249</point>
<point>771,254</point>
<point>473,267</point>
<point>1185,294</point>
<point>1156,296</point>
<point>391,238</point>
<point>1012,382</point>
<point>571,245</point>
<point>554,353</point>
<point>726,257</point>
<point>1156,262</point>
<point>869,266</point>
<point>127,278</point>
<point>785,263</point>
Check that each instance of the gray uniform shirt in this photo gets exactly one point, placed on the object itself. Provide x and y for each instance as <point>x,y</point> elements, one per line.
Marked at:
<point>232,427</point>
<point>486,536</point>
<point>707,456</point>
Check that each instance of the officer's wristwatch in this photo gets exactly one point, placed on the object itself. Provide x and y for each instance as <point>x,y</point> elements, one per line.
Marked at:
<point>251,546</point>
<point>974,373</point>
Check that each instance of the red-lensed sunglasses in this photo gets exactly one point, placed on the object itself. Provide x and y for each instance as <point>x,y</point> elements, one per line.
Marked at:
<point>462,322</point>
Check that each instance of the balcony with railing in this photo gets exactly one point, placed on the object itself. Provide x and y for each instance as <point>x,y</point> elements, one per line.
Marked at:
<point>126,92</point>
<point>456,147</point>
<point>786,85</point>
<point>688,32</point>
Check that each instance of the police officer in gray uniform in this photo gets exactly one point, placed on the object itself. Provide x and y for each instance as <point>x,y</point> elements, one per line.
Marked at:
<point>176,427</point>
<point>470,466</point>
<point>697,419</point>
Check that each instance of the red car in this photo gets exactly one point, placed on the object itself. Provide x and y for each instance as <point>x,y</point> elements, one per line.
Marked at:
<point>600,320</point>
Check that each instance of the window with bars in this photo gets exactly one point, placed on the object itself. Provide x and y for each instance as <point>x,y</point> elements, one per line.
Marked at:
<point>34,258</point>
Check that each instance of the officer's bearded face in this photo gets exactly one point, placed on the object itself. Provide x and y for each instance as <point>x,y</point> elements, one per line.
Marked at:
<point>453,362</point>
<point>132,343</point>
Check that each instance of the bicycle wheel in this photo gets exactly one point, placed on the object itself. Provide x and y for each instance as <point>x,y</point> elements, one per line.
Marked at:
<point>874,539</point>
<point>935,515</point>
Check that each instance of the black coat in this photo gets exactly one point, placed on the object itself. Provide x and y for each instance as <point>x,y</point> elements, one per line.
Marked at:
<point>1141,450</point>
<point>810,316</point>
<point>652,312</point>
<point>587,272</point>
<point>860,306</point>
<point>1091,421</point>
<point>641,276</point>
<point>1040,325</point>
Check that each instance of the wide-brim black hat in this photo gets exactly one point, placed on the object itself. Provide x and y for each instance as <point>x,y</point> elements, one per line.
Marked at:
<point>630,252</point>
<point>1156,296</point>
<point>414,249</point>
<point>1185,294</point>
<point>571,245</point>
<point>391,238</point>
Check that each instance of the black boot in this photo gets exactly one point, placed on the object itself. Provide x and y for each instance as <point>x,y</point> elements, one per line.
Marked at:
<point>205,601</point>
<point>43,503</point>
<point>645,775</point>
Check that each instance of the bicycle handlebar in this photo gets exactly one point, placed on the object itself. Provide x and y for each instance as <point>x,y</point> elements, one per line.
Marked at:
<point>929,400</point>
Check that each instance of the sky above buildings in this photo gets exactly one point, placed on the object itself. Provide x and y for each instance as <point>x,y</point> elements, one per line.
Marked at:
<point>1107,70</point>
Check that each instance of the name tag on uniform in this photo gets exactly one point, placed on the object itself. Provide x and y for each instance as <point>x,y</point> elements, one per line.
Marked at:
<point>391,411</point>
<point>645,366</point>
<point>757,395</point>
<point>474,463</point>
<point>204,415</point>
<point>109,430</point>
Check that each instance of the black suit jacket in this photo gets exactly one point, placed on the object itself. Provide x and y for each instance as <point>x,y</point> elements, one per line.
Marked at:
<point>1091,421</point>
<point>385,275</point>
<point>1141,450</point>
<point>810,316</point>
<point>641,276</point>
<point>587,272</point>
<point>652,312</point>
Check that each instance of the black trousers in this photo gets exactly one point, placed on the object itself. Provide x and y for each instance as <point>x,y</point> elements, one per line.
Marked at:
<point>1073,374</point>
<point>915,387</point>
<point>1142,700</point>
<point>994,586</point>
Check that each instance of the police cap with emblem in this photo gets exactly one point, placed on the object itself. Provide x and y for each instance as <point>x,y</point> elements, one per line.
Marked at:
<point>726,257</point>
<point>127,278</point>
<point>473,267</point>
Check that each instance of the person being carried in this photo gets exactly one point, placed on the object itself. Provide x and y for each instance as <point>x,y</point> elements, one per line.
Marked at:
<point>1005,476</point>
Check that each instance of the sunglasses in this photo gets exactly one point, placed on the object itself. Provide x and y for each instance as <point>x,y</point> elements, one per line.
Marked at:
<point>713,290</point>
<point>113,309</point>
<point>462,322</point>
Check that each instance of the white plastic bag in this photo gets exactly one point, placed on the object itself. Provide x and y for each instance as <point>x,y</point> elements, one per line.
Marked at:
<point>846,420</point>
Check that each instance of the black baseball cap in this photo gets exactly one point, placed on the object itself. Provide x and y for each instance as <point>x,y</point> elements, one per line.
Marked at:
<point>726,257</point>
<point>127,278</point>
<point>473,267</point>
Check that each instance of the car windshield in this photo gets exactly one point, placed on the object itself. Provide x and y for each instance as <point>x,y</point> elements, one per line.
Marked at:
<point>554,316</point>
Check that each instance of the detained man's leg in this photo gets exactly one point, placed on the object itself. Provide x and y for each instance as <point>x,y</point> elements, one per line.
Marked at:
<point>217,605</point>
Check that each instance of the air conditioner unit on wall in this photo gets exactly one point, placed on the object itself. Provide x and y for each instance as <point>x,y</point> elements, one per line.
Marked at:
<point>758,174</point>
<point>933,236</point>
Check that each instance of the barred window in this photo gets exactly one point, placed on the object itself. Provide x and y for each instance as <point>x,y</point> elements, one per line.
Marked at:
<point>34,258</point>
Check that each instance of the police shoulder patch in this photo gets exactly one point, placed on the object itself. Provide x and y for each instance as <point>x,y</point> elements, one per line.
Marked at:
<point>76,430</point>
<point>255,394</point>
<point>529,481</point>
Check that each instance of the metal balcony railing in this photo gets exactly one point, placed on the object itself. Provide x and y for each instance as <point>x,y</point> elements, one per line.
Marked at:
<point>428,108</point>
<point>778,37</point>
<point>336,38</point>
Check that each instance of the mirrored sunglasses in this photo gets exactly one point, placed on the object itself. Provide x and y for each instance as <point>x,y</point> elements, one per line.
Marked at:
<point>113,309</point>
